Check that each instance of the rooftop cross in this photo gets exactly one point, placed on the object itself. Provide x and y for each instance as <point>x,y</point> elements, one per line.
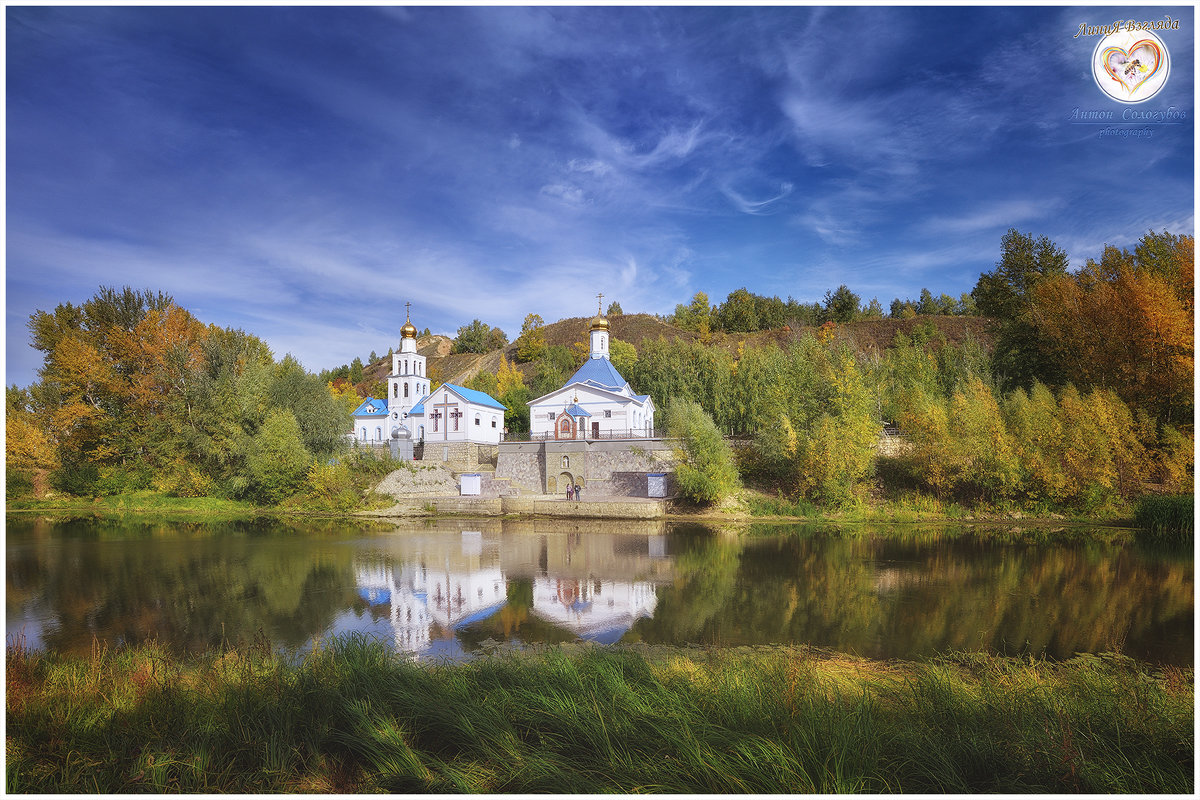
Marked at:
<point>599,304</point>
<point>408,310</point>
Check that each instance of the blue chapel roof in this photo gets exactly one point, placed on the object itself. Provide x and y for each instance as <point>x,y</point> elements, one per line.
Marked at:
<point>371,408</point>
<point>577,411</point>
<point>481,398</point>
<point>598,371</point>
<point>419,408</point>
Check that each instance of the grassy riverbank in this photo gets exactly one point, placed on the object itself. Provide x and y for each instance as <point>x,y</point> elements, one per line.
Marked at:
<point>355,718</point>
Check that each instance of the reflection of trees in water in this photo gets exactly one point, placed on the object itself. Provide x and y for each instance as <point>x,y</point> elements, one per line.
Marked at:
<point>888,597</point>
<point>705,566</point>
<point>922,594</point>
<point>187,590</point>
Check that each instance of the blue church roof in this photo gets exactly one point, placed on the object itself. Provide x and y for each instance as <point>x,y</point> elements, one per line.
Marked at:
<point>600,372</point>
<point>577,411</point>
<point>419,408</point>
<point>371,408</point>
<point>481,398</point>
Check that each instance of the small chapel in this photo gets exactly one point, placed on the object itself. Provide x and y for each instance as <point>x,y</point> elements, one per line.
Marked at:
<point>595,402</point>
<point>448,414</point>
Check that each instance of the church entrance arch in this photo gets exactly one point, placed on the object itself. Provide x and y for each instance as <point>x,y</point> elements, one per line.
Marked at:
<point>565,479</point>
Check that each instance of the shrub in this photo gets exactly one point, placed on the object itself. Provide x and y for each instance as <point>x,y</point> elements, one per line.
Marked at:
<point>330,487</point>
<point>706,472</point>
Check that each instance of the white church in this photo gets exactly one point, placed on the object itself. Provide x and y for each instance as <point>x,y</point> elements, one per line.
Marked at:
<point>449,413</point>
<point>595,402</point>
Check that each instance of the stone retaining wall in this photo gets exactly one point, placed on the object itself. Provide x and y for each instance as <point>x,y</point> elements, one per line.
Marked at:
<point>527,506</point>
<point>602,467</point>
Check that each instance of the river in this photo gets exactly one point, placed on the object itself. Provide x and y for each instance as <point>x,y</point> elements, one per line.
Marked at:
<point>448,588</point>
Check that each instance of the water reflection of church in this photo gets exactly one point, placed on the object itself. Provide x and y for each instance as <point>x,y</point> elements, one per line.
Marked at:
<point>426,596</point>
<point>599,611</point>
<point>421,602</point>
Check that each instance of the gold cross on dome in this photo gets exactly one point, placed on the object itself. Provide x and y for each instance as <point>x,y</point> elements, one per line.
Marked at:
<point>599,304</point>
<point>408,310</point>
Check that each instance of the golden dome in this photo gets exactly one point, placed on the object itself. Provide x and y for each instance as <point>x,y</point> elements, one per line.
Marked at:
<point>599,323</point>
<point>409,331</point>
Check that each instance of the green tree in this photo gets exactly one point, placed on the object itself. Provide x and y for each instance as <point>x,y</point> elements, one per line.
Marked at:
<point>322,419</point>
<point>472,338</point>
<point>496,339</point>
<point>738,314</point>
<point>902,309</point>
<point>927,305</point>
<point>531,344</point>
<point>1006,295</point>
<point>483,382</point>
<point>841,305</point>
<point>695,316</point>
<point>706,472</point>
<point>278,461</point>
<point>614,309</point>
<point>623,356</point>
<point>838,452</point>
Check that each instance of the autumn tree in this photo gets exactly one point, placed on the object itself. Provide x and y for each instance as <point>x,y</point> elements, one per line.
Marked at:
<point>1126,323</point>
<point>512,392</point>
<point>135,393</point>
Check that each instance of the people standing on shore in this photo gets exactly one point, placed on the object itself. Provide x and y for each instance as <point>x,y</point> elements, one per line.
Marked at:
<point>570,491</point>
<point>577,493</point>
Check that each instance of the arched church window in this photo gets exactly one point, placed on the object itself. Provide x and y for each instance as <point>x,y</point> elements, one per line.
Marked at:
<point>566,462</point>
<point>476,419</point>
<point>378,434</point>
<point>406,390</point>
<point>395,390</point>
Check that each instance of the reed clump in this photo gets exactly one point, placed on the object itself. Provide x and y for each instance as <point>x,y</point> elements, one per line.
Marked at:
<point>1166,519</point>
<point>353,716</point>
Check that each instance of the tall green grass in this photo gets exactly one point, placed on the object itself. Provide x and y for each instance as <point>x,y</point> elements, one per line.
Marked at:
<point>1168,519</point>
<point>354,717</point>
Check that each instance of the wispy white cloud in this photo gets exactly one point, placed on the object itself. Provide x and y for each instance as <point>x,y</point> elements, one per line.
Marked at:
<point>303,173</point>
<point>748,206</point>
<point>990,216</point>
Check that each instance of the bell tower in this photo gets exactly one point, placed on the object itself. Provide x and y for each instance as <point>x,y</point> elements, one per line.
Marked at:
<point>408,382</point>
<point>599,332</point>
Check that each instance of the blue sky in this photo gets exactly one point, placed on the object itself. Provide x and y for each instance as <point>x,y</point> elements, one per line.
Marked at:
<point>303,172</point>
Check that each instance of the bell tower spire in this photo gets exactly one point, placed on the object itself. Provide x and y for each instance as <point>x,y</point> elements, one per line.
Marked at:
<point>599,332</point>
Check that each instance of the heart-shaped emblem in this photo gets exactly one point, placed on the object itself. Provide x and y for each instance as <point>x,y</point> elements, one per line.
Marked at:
<point>1134,67</point>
